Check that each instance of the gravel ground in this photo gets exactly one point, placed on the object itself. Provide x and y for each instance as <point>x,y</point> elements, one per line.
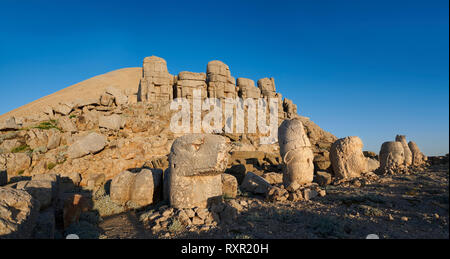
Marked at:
<point>403,206</point>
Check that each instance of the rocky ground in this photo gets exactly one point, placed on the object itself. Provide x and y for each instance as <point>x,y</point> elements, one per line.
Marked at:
<point>400,206</point>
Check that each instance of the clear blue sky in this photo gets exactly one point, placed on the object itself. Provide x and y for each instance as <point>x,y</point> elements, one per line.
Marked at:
<point>368,68</point>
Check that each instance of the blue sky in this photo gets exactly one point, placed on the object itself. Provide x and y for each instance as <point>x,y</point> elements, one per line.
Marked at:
<point>369,68</point>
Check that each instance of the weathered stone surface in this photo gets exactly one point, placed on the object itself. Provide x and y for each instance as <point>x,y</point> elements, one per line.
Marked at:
<point>323,178</point>
<point>36,138</point>
<point>64,108</point>
<point>80,103</point>
<point>89,144</point>
<point>273,178</point>
<point>119,97</point>
<point>255,184</point>
<point>113,122</point>
<point>418,158</point>
<point>121,185</point>
<point>41,190</point>
<point>347,157</point>
<point>95,181</point>
<point>247,89</point>
<point>196,164</point>
<point>229,185</point>
<point>141,189</point>
<point>67,125</point>
<point>220,82</point>
<point>372,164</point>
<point>391,154</point>
<point>406,150</point>
<point>14,164</point>
<point>106,99</point>
<point>267,87</point>
<point>18,213</point>
<point>54,138</point>
<point>295,149</point>
<point>156,85</point>
<point>147,187</point>
<point>188,82</point>
<point>289,108</point>
<point>9,124</point>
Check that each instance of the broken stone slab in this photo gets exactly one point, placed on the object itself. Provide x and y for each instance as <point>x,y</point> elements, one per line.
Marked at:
<point>54,138</point>
<point>9,124</point>
<point>347,157</point>
<point>273,178</point>
<point>141,188</point>
<point>67,125</point>
<point>18,214</point>
<point>323,178</point>
<point>80,103</point>
<point>255,184</point>
<point>64,108</point>
<point>112,122</point>
<point>89,144</point>
<point>196,163</point>
<point>229,185</point>
<point>119,97</point>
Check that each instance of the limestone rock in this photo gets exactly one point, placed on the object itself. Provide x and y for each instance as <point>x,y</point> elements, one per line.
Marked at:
<point>64,108</point>
<point>247,89</point>
<point>406,150</point>
<point>89,144</point>
<point>18,213</point>
<point>372,164</point>
<point>347,157</point>
<point>54,139</point>
<point>267,87</point>
<point>255,184</point>
<point>119,97</point>
<point>188,82</point>
<point>290,108</point>
<point>15,163</point>
<point>67,125</point>
<point>156,85</point>
<point>418,158</point>
<point>9,124</point>
<point>36,138</point>
<point>147,187</point>
<point>391,154</point>
<point>141,189</point>
<point>273,178</point>
<point>323,178</point>
<point>229,185</point>
<point>295,149</point>
<point>113,122</point>
<point>220,82</point>
<point>196,164</point>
